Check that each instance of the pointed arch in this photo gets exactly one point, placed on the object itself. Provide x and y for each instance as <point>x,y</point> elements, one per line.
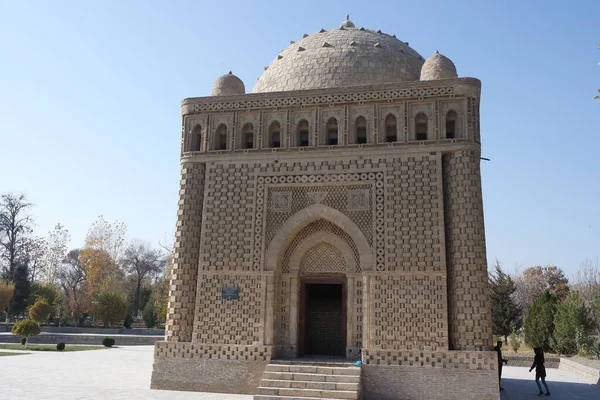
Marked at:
<point>391,128</point>
<point>421,130</point>
<point>315,239</point>
<point>360,126</point>
<point>332,132</point>
<point>302,134</point>
<point>451,124</point>
<point>302,218</point>
<point>274,134</point>
<point>248,136</point>
<point>221,138</point>
<point>196,144</point>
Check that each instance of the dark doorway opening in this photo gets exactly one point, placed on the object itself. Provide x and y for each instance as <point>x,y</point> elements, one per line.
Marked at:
<point>323,319</point>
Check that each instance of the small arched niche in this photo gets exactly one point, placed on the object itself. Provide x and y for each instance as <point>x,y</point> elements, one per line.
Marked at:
<point>196,139</point>
<point>274,134</point>
<point>360,126</point>
<point>221,137</point>
<point>332,132</point>
<point>421,132</point>
<point>302,134</point>
<point>451,125</point>
<point>391,128</point>
<point>248,136</point>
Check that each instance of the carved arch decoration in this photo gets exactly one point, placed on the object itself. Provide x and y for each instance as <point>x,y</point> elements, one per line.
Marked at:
<point>298,258</point>
<point>284,236</point>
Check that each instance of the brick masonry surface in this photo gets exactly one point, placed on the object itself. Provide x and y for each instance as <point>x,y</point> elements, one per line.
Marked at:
<point>398,219</point>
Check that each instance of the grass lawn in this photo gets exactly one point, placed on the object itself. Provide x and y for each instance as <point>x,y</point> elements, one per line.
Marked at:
<point>46,347</point>
<point>6,353</point>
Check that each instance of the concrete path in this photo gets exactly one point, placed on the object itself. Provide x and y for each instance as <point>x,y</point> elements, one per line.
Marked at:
<point>124,373</point>
<point>116,374</point>
<point>519,384</point>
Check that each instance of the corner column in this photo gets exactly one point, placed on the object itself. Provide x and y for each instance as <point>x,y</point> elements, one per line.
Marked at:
<point>182,289</point>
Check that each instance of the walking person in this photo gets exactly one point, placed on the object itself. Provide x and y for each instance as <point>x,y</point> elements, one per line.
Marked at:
<point>540,370</point>
<point>501,360</point>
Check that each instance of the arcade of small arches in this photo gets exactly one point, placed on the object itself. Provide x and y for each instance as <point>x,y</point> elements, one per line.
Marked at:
<point>302,136</point>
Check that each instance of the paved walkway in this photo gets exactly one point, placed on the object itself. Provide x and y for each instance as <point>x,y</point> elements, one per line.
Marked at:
<point>519,384</point>
<point>116,374</point>
<point>124,373</point>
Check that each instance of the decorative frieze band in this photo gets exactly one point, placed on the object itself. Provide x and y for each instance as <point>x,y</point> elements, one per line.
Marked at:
<point>194,106</point>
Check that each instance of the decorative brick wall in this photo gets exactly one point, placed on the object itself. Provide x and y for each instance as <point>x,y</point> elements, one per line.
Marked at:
<point>231,322</point>
<point>182,289</point>
<point>469,307</point>
<point>413,216</point>
<point>408,312</point>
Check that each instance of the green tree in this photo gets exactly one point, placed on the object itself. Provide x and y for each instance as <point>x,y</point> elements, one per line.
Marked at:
<point>21,282</point>
<point>110,307</point>
<point>25,328</point>
<point>539,323</point>
<point>149,314</point>
<point>47,292</point>
<point>506,313</point>
<point>570,322</point>
<point>40,311</point>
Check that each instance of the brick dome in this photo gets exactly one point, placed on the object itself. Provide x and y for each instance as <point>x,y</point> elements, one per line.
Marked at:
<point>228,85</point>
<point>346,56</point>
<point>438,66</point>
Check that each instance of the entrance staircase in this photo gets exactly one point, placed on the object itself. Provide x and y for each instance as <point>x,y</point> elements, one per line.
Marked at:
<point>305,380</point>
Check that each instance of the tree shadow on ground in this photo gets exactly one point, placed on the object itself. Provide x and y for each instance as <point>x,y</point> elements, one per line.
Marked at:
<point>518,389</point>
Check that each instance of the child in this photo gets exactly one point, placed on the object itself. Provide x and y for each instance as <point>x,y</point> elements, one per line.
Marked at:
<point>540,370</point>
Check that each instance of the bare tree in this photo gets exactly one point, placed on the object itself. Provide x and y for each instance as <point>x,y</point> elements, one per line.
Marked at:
<point>107,237</point>
<point>72,280</point>
<point>142,261</point>
<point>56,252</point>
<point>15,226</point>
<point>34,256</point>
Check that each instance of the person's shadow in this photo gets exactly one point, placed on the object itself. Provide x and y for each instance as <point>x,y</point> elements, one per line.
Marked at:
<point>517,389</point>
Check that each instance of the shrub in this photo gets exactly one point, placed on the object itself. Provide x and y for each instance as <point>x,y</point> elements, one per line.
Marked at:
<point>111,307</point>
<point>571,330</point>
<point>128,320</point>
<point>40,311</point>
<point>26,328</point>
<point>515,341</point>
<point>149,315</point>
<point>108,342</point>
<point>596,350</point>
<point>539,323</point>
<point>23,341</point>
<point>60,346</point>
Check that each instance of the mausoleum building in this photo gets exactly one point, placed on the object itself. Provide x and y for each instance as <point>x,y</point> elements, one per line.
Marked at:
<point>334,214</point>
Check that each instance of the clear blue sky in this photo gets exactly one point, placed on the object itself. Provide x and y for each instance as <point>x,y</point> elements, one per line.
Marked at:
<point>90,104</point>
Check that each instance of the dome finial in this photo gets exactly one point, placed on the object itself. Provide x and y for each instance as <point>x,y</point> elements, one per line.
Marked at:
<point>347,23</point>
<point>230,73</point>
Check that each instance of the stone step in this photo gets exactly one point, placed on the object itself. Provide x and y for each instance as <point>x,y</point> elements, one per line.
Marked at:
<point>297,376</point>
<point>268,397</point>
<point>303,393</point>
<point>313,369</point>
<point>296,384</point>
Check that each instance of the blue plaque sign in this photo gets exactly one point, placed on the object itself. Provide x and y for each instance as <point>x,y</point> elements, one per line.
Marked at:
<point>230,293</point>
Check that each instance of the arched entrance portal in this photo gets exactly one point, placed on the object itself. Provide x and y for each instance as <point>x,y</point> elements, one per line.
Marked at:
<point>319,257</point>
